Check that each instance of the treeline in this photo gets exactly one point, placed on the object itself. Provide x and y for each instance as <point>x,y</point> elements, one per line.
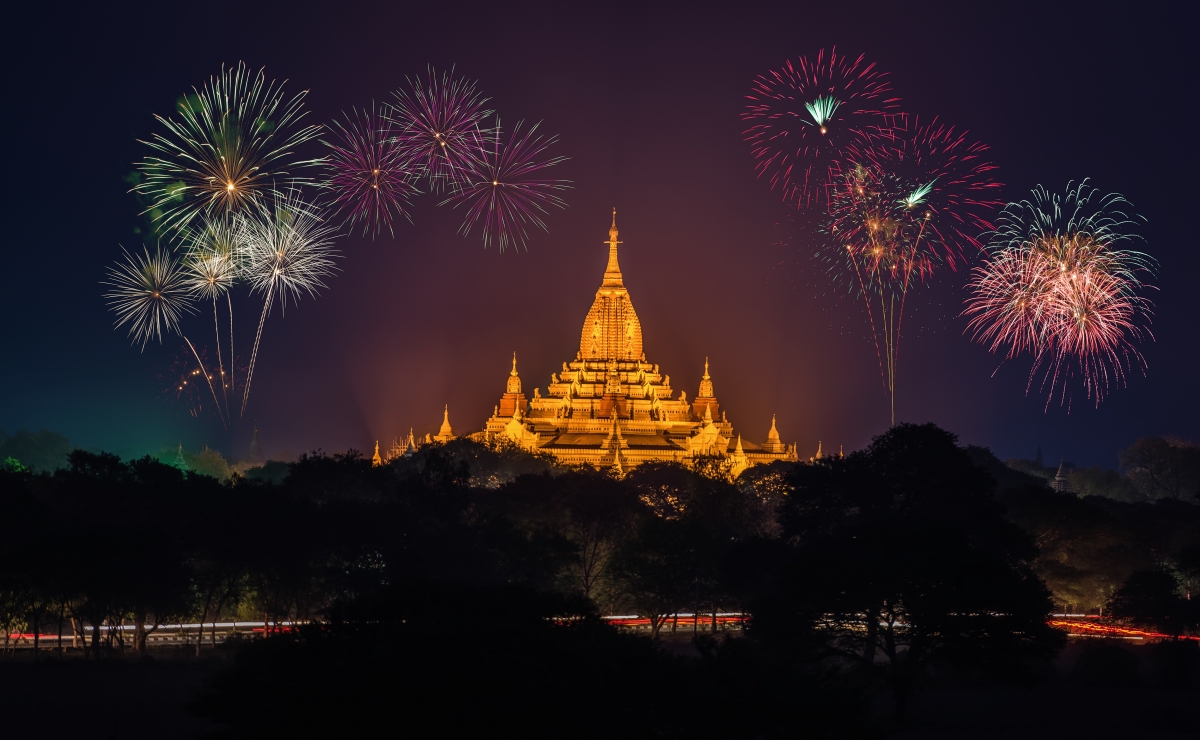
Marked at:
<point>1152,468</point>
<point>911,558</point>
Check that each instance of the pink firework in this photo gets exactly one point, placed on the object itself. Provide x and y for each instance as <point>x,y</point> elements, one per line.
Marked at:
<point>372,177</point>
<point>944,184</point>
<point>1060,286</point>
<point>803,116</point>
<point>504,192</point>
<point>437,124</point>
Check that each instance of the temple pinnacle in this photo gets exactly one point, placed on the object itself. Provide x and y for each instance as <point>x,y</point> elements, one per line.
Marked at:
<point>612,273</point>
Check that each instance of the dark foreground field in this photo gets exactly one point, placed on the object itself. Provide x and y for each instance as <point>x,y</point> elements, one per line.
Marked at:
<point>1097,691</point>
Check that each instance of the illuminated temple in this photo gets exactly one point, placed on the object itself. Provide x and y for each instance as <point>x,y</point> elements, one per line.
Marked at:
<point>611,408</point>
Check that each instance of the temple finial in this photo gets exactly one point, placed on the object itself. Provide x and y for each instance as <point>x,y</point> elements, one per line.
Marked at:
<point>706,375</point>
<point>514,370</point>
<point>612,273</point>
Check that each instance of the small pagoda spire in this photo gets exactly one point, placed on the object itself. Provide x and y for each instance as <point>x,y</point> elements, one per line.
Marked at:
<point>612,273</point>
<point>708,414</point>
<point>376,460</point>
<point>180,463</point>
<point>445,433</point>
<point>514,380</point>
<point>706,384</point>
<point>739,451</point>
<point>773,435</point>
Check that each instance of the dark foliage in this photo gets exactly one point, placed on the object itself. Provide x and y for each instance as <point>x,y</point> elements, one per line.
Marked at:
<point>457,591</point>
<point>449,660</point>
<point>898,557</point>
<point>1151,597</point>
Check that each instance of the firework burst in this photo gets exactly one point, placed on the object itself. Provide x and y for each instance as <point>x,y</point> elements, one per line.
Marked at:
<point>372,173</point>
<point>504,192</point>
<point>229,141</point>
<point>908,199</point>
<point>437,124</point>
<point>1061,285</point>
<point>940,188</point>
<point>148,292</point>
<point>289,252</point>
<point>803,116</point>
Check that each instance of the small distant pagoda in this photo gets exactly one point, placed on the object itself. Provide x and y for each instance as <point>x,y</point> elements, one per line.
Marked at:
<point>255,458</point>
<point>179,462</point>
<point>610,408</point>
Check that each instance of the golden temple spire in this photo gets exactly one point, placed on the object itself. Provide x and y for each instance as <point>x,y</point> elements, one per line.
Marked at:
<point>773,435</point>
<point>445,434</point>
<point>706,384</point>
<point>376,460</point>
<point>514,380</point>
<point>612,273</point>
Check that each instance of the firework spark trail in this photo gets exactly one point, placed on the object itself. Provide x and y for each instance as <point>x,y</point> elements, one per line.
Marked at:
<point>804,115</point>
<point>210,268</point>
<point>230,141</point>
<point>208,378</point>
<point>907,199</point>
<point>372,174</point>
<point>1059,285</point>
<point>437,124</point>
<point>503,193</point>
<point>289,251</point>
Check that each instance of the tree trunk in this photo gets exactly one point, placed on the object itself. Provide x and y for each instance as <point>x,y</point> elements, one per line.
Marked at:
<point>139,633</point>
<point>37,628</point>
<point>872,635</point>
<point>95,639</point>
<point>656,623</point>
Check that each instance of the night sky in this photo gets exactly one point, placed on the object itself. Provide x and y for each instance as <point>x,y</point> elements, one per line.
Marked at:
<point>647,106</point>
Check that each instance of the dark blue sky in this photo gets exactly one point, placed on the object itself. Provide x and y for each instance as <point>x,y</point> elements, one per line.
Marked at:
<point>646,104</point>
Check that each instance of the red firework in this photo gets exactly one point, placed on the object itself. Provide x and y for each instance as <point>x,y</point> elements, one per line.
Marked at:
<point>803,117</point>
<point>371,175</point>
<point>1059,285</point>
<point>943,182</point>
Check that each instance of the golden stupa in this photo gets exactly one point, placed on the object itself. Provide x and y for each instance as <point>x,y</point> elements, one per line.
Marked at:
<point>611,408</point>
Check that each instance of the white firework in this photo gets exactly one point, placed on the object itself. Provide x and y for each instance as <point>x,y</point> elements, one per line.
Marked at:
<point>288,252</point>
<point>148,292</point>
